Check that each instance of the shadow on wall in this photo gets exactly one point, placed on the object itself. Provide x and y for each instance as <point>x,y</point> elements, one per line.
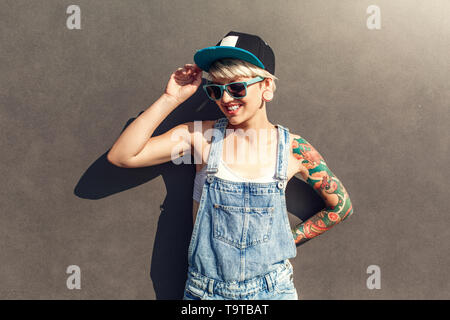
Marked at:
<point>168,270</point>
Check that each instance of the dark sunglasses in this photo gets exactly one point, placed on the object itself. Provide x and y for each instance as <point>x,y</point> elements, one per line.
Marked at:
<point>237,90</point>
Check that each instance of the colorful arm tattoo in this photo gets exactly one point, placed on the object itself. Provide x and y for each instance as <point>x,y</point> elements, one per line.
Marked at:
<point>319,176</point>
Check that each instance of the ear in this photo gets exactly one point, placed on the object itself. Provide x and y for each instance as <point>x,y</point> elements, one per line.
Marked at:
<point>267,83</point>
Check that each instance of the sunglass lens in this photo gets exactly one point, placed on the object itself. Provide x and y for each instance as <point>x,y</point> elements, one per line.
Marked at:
<point>237,90</point>
<point>213,92</point>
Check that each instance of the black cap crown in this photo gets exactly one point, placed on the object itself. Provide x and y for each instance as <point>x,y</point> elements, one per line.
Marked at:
<point>238,45</point>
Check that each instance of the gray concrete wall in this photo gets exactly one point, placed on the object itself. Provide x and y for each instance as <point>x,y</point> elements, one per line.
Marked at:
<point>375,103</point>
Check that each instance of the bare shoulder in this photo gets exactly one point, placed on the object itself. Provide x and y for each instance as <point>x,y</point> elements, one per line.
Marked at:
<point>294,140</point>
<point>208,124</point>
<point>199,127</point>
<point>201,141</point>
<point>304,151</point>
<point>294,136</point>
<point>304,155</point>
<point>196,126</point>
<point>295,167</point>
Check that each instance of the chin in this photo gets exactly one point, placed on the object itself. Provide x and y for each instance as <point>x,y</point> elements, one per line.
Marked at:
<point>234,120</point>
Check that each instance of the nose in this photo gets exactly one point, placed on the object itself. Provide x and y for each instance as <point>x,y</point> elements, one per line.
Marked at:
<point>226,97</point>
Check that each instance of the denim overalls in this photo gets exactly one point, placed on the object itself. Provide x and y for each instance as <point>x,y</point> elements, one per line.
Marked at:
<point>242,238</point>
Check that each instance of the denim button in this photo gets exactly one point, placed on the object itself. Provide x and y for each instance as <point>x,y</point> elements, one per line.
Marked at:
<point>210,179</point>
<point>280,185</point>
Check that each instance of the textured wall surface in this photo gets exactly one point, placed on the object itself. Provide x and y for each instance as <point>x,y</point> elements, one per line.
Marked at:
<point>375,103</point>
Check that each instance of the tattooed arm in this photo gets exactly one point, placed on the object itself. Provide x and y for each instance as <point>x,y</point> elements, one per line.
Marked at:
<point>316,173</point>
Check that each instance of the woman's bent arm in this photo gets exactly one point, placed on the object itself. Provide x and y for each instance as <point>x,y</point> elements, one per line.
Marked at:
<point>133,140</point>
<point>136,147</point>
<point>327,185</point>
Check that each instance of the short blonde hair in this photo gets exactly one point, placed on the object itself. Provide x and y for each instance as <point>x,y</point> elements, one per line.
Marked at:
<point>229,68</point>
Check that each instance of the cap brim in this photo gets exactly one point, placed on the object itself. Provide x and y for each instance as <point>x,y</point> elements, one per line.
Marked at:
<point>206,56</point>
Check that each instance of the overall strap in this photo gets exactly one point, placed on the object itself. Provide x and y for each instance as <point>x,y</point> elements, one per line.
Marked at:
<point>215,152</point>
<point>283,152</point>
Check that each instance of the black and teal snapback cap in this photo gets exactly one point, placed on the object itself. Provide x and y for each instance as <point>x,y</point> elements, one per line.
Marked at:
<point>238,45</point>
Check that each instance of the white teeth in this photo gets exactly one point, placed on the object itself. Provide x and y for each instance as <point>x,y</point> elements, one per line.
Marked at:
<point>234,107</point>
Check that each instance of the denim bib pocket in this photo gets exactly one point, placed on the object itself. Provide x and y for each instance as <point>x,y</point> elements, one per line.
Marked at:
<point>242,227</point>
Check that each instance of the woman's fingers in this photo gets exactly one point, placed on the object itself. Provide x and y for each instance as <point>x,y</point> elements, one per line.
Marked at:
<point>197,68</point>
<point>188,70</point>
<point>189,74</point>
<point>193,67</point>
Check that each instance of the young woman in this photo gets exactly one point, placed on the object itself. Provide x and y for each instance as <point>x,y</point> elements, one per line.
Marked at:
<point>242,240</point>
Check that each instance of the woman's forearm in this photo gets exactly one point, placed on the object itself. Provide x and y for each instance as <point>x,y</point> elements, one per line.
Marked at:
<point>135,136</point>
<point>321,222</point>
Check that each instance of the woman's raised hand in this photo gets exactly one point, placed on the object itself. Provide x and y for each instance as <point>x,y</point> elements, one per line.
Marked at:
<point>184,82</point>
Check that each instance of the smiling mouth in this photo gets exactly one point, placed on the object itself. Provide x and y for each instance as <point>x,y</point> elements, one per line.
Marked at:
<point>232,109</point>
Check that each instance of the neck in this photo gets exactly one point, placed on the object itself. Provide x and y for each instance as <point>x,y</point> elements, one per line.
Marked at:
<point>258,124</point>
